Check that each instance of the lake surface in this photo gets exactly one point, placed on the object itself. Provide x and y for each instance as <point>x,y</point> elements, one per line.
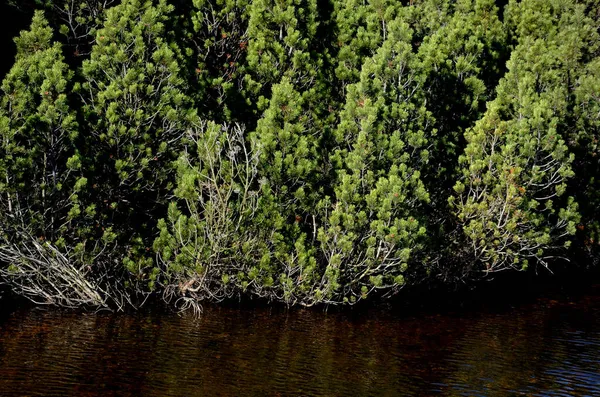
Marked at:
<point>546,347</point>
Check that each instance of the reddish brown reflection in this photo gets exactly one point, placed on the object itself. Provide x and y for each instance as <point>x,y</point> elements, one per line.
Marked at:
<point>545,348</point>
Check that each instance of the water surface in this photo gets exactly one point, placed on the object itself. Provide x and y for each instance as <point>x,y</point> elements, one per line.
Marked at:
<point>542,348</point>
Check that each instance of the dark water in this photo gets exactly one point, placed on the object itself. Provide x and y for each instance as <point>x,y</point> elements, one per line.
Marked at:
<point>542,348</point>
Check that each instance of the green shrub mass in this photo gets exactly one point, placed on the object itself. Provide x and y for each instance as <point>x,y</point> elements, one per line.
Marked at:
<point>302,151</point>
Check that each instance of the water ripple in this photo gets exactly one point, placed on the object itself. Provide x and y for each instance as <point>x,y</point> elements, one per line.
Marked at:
<point>542,349</point>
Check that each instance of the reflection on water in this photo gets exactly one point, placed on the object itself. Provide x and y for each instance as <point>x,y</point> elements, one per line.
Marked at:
<point>548,348</point>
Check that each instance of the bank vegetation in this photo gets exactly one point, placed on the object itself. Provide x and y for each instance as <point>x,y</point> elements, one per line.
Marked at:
<point>299,151</point>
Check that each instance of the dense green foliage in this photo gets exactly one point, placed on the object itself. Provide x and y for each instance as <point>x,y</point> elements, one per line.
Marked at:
<point>299,151</point>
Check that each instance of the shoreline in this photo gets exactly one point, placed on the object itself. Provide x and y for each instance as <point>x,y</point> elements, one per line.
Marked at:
<point>498,293</point>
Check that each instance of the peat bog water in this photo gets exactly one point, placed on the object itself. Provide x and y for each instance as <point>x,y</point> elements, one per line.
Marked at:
<point>543,347</point>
